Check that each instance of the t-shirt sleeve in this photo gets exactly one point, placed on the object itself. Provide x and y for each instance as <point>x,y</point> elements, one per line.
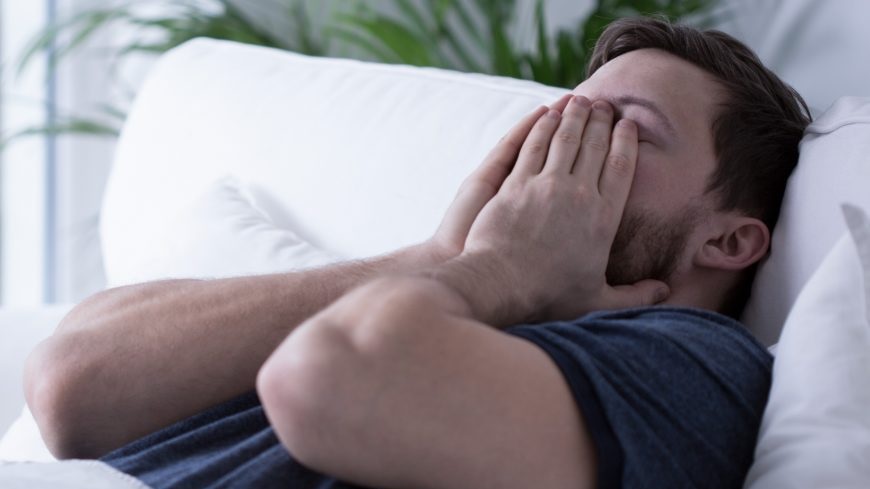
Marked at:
<point>671,397</point>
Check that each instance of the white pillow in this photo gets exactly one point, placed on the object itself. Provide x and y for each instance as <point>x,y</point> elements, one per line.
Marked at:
<point>816,427</point>
<point>224,233</point>
<point>221,233</point>
<point>834,167</point>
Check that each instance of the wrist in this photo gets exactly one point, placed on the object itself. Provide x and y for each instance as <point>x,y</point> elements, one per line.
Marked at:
<point>490,292</point>
<point>421,256</point>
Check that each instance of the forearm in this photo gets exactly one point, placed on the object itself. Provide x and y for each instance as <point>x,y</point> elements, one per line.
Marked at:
<point>145,356</point>
<point>355,390</point>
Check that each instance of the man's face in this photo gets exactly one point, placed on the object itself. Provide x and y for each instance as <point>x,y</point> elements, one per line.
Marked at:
<point>673,103</point>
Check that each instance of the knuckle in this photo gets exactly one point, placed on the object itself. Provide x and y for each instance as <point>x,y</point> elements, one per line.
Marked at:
<point>582,197</point>
<point>597,144</point>
<point>568,138</point>
<point>620,164</point>
<point>535,147</point>
<point>583,192</point>
<point>581,109</point>
<point>550,186</point>
<point>510,144</point>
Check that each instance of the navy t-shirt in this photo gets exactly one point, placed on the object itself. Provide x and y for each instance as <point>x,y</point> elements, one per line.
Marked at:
<point>672,398</point>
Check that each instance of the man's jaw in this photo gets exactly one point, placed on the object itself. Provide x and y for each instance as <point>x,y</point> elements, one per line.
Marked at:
<point>648,247</point>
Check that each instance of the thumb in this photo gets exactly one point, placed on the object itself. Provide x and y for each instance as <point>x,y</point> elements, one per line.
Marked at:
<point>643,293</point>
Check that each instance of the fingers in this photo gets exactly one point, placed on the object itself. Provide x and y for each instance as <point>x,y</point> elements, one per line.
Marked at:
<point>533,160</point>
<point>618,172</point>
<point>566,142</point>
<point>562,102</point>
<point>643,293</point>
<point>505,152</point>
<point>534,150</point>
<point>595,143</point>
<point>479,187</point>
<point>500,160</point>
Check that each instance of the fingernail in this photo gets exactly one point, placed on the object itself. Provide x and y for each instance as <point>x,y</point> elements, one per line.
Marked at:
<point>582,101</point>
<point>625,123</point>
<point>661,294</point>
<point>553,114</point>
<point>601,106</point>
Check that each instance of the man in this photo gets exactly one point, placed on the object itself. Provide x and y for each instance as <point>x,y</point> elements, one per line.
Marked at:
<point>510,349</point>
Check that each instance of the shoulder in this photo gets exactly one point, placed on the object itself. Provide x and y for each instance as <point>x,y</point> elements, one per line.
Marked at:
<point>663,387</point>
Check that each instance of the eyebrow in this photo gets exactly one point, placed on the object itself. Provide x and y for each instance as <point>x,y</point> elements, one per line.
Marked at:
<point>647,104</point>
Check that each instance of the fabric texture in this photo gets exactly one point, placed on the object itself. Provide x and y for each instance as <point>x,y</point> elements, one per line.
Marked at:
<point>816,427</point>
<point>672,397</point>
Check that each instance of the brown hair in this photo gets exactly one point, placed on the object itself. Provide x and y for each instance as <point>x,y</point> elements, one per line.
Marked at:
<point>758,128</point>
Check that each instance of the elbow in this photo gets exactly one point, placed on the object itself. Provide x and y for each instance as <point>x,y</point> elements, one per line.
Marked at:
<point>300,387</point>
<point>320,385</point>
<point>53,394</point>
<point>314,387</point>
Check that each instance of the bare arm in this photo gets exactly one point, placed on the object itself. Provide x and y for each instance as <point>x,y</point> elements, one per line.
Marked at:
<point>407,381</point>
<point>397,385</point>
<point>129,361</point>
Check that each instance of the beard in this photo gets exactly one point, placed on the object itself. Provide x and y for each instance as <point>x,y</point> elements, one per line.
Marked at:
<point>648,246</point>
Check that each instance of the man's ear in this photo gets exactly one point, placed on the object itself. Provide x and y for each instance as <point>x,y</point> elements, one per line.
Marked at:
<point>739,243</point>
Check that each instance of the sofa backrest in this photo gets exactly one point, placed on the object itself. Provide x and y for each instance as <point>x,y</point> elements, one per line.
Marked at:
<point>358,158</point>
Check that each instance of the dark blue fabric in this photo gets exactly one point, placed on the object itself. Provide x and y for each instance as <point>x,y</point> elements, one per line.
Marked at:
<point>672,398</point>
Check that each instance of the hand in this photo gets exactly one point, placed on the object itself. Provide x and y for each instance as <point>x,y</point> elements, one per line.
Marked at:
<point>479,187</point>
<point>549,228</point>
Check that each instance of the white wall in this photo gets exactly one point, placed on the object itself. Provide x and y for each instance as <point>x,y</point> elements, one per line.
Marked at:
<point>22,171</point>
<point>83,165</point>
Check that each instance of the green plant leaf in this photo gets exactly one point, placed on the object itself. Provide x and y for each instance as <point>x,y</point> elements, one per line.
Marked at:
<point>467,35</point>
<point>505,61</point>
<point>416,19</point>
<point>77,126</point>
<point>364,43</point>
<point>466,21</point>
<point>408,47</point>
<point>542,65</point>
<point>571,61</point>
<point>83,26</point>
<point>457,48</point>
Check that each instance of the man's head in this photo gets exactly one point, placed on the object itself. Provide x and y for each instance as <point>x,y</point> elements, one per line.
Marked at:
<point>718,138</point>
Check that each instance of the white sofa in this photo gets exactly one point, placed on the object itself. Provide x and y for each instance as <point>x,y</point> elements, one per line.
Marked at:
<point>337,158</point>
<point>20,330</point>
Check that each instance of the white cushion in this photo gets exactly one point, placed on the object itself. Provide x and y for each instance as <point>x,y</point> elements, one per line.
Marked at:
<point>359,158</point>
<point>834,167</point>
<point>223,233</point>
<point>816,427</point>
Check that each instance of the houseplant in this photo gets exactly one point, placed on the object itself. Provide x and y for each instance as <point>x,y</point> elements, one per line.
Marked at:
<point>465,35</point>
